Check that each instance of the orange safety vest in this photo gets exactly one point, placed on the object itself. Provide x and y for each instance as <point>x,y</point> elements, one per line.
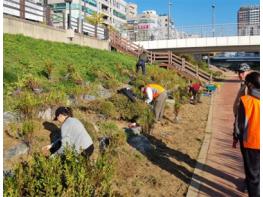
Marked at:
<point>157,89</point>
<point>251,135</point>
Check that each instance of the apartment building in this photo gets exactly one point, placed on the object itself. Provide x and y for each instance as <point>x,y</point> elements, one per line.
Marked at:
<point>115,11</point>
<point>248,20</point>
<point>132,10</point>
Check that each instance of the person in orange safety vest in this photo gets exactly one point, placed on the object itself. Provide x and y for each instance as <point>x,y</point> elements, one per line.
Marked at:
<point>158,95</point>
<point>247,131</point>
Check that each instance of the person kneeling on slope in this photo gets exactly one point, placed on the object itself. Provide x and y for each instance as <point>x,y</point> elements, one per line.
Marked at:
<point>73,134</point>
<point>156,94</point>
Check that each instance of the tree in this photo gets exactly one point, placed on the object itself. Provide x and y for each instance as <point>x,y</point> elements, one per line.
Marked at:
<point>95,19</point>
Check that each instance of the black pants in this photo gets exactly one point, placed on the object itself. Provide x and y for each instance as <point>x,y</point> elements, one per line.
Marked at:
<point>142,65</point>
<point>88,151</point>
<point>252,170</point>
<point>193,92</point>
<point>242,150</point>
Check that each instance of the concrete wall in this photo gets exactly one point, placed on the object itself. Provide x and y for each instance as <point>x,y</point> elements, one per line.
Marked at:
<point>13,25</point>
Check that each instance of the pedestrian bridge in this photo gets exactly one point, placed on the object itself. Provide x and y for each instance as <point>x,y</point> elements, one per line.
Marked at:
<point>205,44</point>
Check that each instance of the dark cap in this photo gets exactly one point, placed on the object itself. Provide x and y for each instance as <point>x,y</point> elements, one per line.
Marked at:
<point>61,110</point>
<point>244,67</point>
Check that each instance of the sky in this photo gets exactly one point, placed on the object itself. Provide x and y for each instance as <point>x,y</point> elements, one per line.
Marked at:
<point>196,12</point>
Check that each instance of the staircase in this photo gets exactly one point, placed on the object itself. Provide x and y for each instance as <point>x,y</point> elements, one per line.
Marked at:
<point>164,59</point>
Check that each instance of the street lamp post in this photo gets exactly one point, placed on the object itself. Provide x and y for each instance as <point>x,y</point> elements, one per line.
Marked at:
<point>69,14</point>
<point>213,19</point>
<point>169,19</point>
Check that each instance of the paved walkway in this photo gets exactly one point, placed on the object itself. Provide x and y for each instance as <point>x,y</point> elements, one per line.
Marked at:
<point>219,170</point>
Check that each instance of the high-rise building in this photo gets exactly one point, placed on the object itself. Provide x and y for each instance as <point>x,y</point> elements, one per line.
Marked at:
<point>148,25</point>
<point>248,20</point>
<point>132,10</point>
<point>115,11</point>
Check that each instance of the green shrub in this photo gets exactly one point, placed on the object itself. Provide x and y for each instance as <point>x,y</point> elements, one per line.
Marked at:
<point>177,103</point>
<point>138,111</point>
<point>103,107</point>
<point>73,75</point>
<point>23,131</point>
<point>90,128</point>
<point>28,128</point>
<point>48,69</point>
<point>67,175</point>
<point>110,129</point>
<point>27,104</point>
<point>167,78</point>
<point>13,130</point>
<point>54,98</point>
<point>111,84</point>
<point>31,82</point>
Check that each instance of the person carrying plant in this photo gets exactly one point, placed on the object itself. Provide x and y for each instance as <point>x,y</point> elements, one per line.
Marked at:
<point>73,134</point>
<point>247,132</point>
<point>156,94</point>
<point>141,62</point>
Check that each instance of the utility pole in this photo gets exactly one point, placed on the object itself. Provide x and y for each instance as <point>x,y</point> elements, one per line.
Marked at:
<point>213,19</point>
<point>169,19</point>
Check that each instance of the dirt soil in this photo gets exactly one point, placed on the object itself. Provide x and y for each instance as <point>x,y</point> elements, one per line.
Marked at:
<point>166,171</point>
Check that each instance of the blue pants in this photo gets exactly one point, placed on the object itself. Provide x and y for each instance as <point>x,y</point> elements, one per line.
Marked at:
<point>142,65</point>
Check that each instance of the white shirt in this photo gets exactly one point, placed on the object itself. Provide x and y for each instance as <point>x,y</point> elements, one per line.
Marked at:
<point>149,94</point>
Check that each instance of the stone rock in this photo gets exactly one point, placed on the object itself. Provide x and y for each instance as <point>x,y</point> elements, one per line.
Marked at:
<point>16,150</point>
<point>46,114</point>
<point>141,143</point>
<point>9,117</point>
<point>103,92</point>
<point>71,100</point>
<point>8,173</point>
<point>37,90</point>
<point>88,97</point>
<point>170,101</point>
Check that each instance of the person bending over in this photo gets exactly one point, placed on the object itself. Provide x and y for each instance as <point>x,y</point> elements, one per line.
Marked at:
<point>73,134</point>
<point>158,95</point>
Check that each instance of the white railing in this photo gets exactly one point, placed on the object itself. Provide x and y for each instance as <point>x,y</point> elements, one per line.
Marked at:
<point>29,10</point>
<point>35,12</point>
<point>198,31</point>
<point>89,29</point>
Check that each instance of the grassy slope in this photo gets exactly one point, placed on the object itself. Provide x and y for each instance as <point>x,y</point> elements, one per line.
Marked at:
<point>21,52</point>
<point>24,56</point>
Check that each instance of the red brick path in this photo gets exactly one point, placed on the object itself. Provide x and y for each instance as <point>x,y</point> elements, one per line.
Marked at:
<point>223,172</point>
